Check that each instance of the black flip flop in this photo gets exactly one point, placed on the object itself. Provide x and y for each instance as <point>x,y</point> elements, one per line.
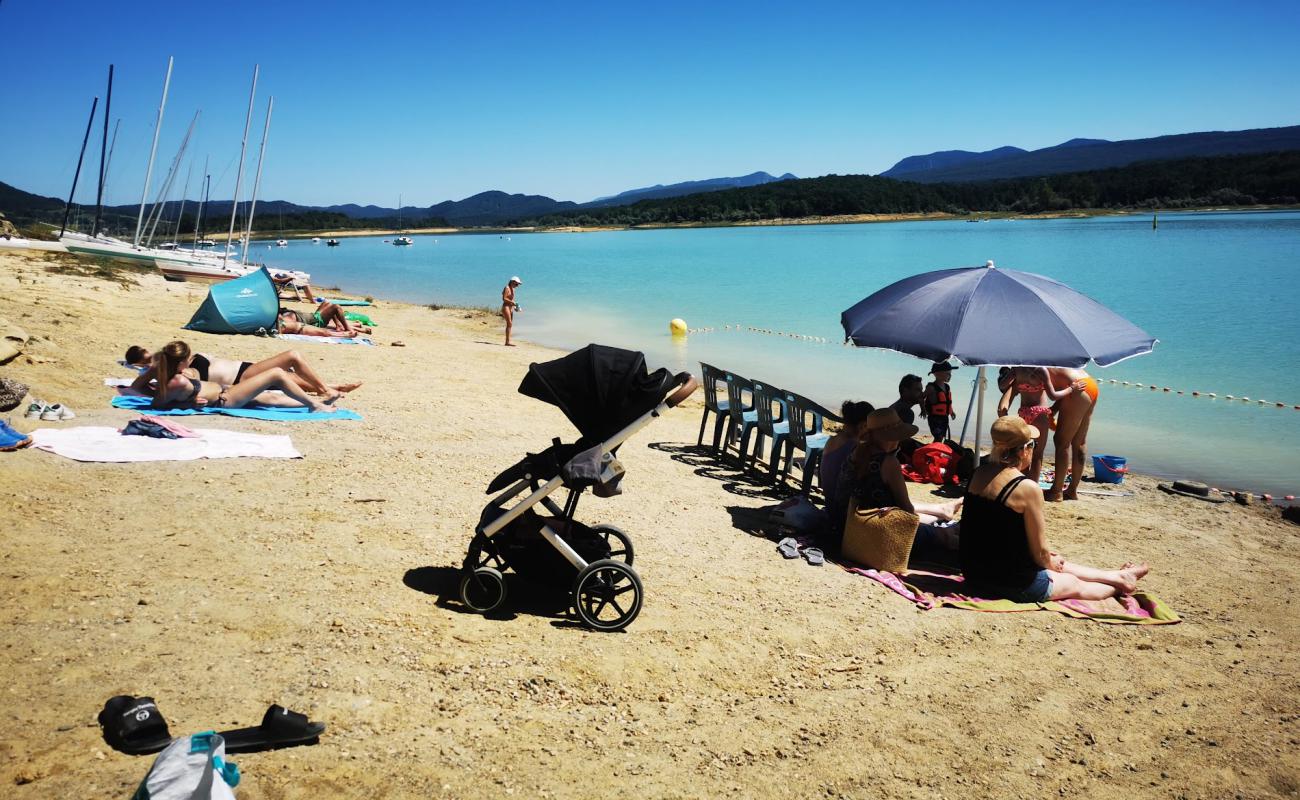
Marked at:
<point>280,728</point>
<point>134,725</point>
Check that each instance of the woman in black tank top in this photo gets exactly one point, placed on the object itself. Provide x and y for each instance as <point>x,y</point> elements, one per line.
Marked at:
<point>1004,550</point>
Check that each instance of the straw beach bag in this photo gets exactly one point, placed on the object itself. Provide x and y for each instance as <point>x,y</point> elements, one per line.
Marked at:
<point>879,537</point>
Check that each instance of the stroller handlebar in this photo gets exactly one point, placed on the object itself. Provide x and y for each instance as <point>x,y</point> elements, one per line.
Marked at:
<point>687,384</point>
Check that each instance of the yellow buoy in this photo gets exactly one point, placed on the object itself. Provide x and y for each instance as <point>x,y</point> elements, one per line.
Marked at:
<point>677,327</point>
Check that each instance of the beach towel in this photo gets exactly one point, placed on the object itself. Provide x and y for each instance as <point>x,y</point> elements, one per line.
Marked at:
<point>108,445</point>
<point>298,337</point>
<point>297,414</point>
<point>930,590</point>
<point>340,302</point>
<point>120,383</point>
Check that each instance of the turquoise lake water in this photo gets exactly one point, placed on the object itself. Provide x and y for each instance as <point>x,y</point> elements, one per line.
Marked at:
<point>1217,289</point>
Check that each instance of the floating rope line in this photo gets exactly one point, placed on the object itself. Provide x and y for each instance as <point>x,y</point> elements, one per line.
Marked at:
<point>1197,393</point>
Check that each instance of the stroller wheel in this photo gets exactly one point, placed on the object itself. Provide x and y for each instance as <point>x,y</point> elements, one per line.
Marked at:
<point>607,595</point>
<point>620,544</point>
<point>483,590</point>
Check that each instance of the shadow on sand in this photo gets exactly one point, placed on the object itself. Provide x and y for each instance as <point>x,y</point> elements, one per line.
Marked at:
<point>522,597</point>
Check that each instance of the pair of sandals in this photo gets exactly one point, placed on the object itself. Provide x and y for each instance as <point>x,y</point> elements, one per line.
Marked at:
<point>135,726</point>
<point>789,547</point>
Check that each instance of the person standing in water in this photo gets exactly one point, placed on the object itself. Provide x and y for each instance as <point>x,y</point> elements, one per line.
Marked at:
<point>509,306</point>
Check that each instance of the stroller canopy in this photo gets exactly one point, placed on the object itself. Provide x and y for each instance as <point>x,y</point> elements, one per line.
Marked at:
<point>600,389</point>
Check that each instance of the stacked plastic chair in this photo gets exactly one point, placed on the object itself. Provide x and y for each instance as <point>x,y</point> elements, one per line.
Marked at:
<point>805,434</point>
<point>715,402</point>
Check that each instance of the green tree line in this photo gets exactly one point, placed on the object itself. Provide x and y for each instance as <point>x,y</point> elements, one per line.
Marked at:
<point>1271,178</point>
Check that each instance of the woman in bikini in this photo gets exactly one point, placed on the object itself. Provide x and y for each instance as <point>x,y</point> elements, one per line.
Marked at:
<point>1073,417</point>
<point>509,307</point>
<point>228,372</point>
<point>175,385</point>
<point>1034,385</point>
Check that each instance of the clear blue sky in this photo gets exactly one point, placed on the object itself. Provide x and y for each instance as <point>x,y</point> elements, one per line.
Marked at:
<point>437,100</point>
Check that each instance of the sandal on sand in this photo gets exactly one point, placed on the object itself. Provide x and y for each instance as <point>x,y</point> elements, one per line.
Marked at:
<point>815,556</point>
<point>134,725</point>
<point>788,547</point>
<point>280,728</point>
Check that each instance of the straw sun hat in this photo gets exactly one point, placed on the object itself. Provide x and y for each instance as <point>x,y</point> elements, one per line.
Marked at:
<point>1012,431</point>
<point>888,426</point>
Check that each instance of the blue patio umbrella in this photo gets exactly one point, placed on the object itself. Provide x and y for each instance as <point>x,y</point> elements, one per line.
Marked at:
<point>984,315</point>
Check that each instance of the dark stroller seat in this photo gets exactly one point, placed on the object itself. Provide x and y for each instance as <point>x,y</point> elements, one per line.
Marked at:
<point>608,395</point>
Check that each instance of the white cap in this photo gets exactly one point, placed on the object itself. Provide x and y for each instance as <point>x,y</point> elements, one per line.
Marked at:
<point>515,279</point>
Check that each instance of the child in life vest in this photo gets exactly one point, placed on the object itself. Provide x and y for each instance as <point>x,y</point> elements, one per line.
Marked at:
<point>937,403</point>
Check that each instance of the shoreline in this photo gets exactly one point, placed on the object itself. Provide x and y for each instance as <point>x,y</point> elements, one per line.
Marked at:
<point>328,585</point>
<point>845,219</point>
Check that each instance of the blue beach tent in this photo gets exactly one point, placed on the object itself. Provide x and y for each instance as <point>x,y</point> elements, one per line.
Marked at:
<point>243,305</point>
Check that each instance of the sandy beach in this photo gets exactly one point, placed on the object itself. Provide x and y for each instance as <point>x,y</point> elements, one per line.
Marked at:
<point>327,585</point>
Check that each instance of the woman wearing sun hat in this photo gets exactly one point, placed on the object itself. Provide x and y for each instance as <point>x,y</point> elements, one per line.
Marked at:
<point>1004,549</point>
<point>874,476</point>
<point>509,306</point>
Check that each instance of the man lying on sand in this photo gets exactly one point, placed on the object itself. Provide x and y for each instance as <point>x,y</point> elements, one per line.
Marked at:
<point>175,386</point>
<point>327,320</point>
<point>227,372</point>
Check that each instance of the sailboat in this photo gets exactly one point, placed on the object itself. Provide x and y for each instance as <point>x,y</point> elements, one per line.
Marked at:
<point>401,240</point>
<point>175,263</point>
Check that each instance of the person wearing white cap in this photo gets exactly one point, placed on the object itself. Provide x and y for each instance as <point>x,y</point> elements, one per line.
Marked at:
<point>509,306</point>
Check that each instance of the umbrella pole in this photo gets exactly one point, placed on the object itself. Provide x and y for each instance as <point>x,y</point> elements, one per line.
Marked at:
<point>979,414</point>
<point>970,404</point>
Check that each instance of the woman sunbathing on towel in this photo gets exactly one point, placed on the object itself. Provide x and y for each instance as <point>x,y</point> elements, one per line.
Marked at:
<point>1004,549</point>
<point>174,387</point>
<point>228,372</point>
<point>327,320</point>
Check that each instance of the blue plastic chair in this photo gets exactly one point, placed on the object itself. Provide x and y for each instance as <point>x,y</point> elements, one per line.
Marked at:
<point>711,377</point>
<point>773,422</point>
<point>740,408</point>
<point>805,433</point>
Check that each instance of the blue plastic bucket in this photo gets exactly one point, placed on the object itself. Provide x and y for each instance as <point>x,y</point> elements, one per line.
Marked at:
<point>1109,469</point>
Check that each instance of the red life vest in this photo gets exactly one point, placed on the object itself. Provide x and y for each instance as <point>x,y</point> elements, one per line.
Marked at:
<point>942,403</point>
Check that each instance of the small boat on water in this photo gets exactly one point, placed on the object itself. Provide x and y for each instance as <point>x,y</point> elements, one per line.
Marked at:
<point>332,243</point>
<point>315,240</point>
<point>281,242</point>
<point>167,246</point>
<point>205,243</point>
<point>403,240</point>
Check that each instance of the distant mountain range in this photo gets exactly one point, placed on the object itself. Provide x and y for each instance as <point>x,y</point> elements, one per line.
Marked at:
<point>1082,155</point>
<point>659,191</point>
<point>484,208</point>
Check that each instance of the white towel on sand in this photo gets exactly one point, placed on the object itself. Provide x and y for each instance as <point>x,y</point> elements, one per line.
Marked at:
<point>106,444</point>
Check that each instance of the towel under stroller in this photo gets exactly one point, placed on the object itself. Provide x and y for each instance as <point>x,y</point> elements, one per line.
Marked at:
<point>608,395</point>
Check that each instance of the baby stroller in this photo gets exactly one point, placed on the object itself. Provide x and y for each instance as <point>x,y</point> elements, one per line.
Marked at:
<point>607,394</point>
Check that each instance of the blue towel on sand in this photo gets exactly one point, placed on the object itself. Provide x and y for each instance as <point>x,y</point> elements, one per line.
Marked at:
<point>298,337</point>
<point>298,414</point>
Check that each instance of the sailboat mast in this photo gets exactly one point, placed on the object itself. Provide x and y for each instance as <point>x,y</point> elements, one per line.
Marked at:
<point>257,181</point>
<point>148,173</point>
<point>198,221</point>
<point>76,175</point>
<point>160,205</point>
<point>103,157</point>
<point>180,212</point>
<point>239,176</point>
<point>112,145</point>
